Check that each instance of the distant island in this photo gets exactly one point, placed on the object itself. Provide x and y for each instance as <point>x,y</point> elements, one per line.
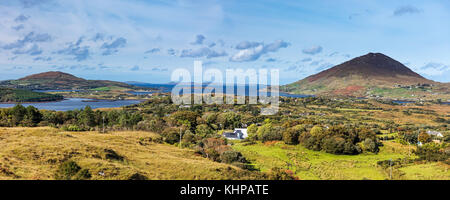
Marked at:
<point>54,86</point>
<point>55,80</point>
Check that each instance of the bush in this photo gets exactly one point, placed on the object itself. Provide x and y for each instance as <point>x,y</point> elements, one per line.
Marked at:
<point>232,156</point>
<point>171,135</point>
<point>370,145</point>
<point>281,174</point>
<point>72,128</point>
<point>334,145</point>
<point>83,174</point>
<point>316,131</point>
<point>66,170</point>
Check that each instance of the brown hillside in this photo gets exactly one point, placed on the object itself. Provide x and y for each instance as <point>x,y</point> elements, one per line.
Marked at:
<point>372,66</point>
<point>53,75</point>
<point>373,74</point>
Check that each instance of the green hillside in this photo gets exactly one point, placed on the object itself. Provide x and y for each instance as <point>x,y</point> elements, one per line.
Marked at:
<point>18,95</point>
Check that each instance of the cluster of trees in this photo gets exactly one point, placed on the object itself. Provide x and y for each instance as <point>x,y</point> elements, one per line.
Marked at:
<point>434,152</point>
<point>341,140</point>
<point>77,120</point>
<point>334,139</point>
<point>20,116</point>
<point>18,95</point>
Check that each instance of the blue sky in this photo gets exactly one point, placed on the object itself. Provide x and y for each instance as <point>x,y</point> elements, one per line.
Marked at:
<point>137,40</point>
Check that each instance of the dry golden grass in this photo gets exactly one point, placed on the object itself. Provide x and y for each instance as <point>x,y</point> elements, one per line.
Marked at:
<point>36,153</point>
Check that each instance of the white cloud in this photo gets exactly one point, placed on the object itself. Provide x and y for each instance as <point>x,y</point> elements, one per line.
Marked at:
<point>252,52</point>
<point>313,50</point>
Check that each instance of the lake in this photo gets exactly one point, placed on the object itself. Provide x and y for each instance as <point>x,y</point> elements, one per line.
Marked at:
<point>76,103</point>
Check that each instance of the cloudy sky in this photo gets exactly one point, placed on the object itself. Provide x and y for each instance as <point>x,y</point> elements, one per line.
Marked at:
<point>137,40</point>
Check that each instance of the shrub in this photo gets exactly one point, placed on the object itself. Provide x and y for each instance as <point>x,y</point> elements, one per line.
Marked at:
<point>66,170</point>
<point>72,128</point>
<point>137,177</point>
<point>316,131</point>
<point>281,174</point>
<point>171,135</point>
<point>370,145</point>
<point>83,174</point>
<point>112,155</point>
<point>232,156</point>
<point>334,145</point>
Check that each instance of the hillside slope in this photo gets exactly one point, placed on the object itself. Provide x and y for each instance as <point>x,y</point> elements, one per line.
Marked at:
<point>59,81</point>
<point>36,153</point>
<point>374,74</point>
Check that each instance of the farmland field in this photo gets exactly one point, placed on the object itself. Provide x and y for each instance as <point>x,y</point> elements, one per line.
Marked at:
<point>312,165</point>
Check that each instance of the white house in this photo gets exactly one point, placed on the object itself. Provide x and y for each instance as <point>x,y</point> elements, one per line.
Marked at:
<point>238,134</point>
<point>435,133</point>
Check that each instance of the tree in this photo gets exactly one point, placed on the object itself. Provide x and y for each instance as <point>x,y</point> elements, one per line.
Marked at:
<point>291,135</point>
<point>18,112</point>
<point>33,115</point>
<point>171,135</point>
<point>86,117</point>
<point>251,131</point>
<point>316,131</point>
<point>370,145</point>
<point>186,118</point>
<point>229,120</point>
<point>204,130</point>
<point>269,133</point>
<point>424,138</point>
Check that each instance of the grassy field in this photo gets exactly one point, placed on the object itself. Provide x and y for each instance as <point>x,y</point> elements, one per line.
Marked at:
<point>36,153</point>
<point>313,165</point>
<point>111,88</point>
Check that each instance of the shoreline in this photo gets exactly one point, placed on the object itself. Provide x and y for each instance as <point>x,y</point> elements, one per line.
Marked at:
<point>94,101</point>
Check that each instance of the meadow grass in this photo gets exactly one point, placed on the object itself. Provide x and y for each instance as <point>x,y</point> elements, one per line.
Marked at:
<point>36,153</point>
<point>314,165</point>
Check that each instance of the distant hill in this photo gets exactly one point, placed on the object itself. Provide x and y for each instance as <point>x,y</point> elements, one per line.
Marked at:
<point>18,95</point>
<point>374,74</point>
<point>52,75</point>
<point>59,80</point>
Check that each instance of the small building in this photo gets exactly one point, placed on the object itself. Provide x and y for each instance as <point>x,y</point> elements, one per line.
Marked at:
<point>435,133</point>
<point>237,134</point>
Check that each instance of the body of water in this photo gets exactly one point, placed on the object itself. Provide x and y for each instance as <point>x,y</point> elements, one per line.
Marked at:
<point>56,91</point>
<point>166,88</point>
<point>406,102</point>
<point>76,103</point>
<point>403,102</point>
